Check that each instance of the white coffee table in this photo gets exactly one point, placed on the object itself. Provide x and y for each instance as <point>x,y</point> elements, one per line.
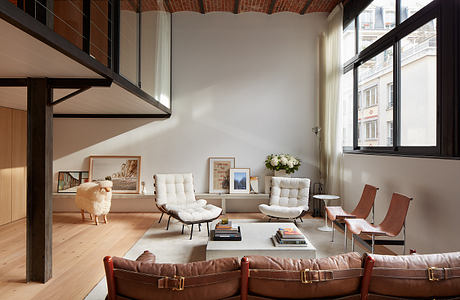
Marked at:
<point>256,240</point>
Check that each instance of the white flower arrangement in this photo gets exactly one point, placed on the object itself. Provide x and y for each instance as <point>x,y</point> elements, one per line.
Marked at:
<point>282,162</point>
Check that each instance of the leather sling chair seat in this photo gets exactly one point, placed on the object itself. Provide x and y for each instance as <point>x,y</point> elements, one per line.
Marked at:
<point>361,211</point>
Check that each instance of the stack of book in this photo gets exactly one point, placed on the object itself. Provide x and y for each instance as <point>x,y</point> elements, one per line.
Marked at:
<point>289,237</point>
<point>226,232</point>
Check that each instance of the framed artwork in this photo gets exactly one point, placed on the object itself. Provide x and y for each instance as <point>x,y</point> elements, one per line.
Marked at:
<point>219,174</point>
<point>239,181</point>
<point>124,171</point>
<point>69,180</point>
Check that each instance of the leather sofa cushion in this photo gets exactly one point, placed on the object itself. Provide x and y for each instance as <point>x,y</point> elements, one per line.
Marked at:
<point>139,279</point>
<point>407,275</point>
<point>294,288</point>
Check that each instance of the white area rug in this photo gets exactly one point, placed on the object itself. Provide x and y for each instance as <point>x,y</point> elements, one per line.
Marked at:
<point>173,247</point>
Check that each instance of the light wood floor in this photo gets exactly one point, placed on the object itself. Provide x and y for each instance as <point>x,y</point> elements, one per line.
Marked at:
<point>78,250</point>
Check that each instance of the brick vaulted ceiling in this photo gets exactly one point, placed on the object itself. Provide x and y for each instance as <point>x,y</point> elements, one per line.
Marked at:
<point>237,6</point>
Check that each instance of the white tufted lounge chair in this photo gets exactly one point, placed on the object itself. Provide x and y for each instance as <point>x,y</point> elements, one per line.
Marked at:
<point>288,198</point>
<point>175,196</point>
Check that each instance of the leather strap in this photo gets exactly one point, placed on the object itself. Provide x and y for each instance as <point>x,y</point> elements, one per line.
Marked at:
<point>175,282</point>
<point>432,274</point>
<point>308,275</point>
<point>192,281</point>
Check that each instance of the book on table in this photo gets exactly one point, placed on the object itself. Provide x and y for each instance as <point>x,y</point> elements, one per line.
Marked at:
<point>278,244</point>
<point>289,237</point>
<point>226,232</point>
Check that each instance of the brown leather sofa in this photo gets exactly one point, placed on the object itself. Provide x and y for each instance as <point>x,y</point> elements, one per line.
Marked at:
<point>347,276</point>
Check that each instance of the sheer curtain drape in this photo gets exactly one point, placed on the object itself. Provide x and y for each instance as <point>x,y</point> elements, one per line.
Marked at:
<point>330,116</point>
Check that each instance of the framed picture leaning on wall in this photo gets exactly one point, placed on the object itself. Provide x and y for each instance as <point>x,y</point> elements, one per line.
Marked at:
<point>68,181</point>
<point>219,174</point>
<point>239,181</point>
<point>124,171</point>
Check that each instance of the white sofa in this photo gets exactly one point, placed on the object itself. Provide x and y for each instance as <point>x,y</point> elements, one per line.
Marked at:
<point>288,198</point>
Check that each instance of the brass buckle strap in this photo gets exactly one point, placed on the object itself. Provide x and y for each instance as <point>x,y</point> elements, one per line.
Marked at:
<point>176,283</point>
<point>306,275</point>
<point>181,283</point>
<point>432,273</point>
<point>429,273</point>
<point>310,276</point>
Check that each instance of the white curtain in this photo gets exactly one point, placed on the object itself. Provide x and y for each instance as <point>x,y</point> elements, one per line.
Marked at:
<point>330,112</point>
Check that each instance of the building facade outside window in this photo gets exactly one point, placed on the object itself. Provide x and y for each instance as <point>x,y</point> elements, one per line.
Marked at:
<point>389,133</point>
<point>390,95</point>
<point>371,130</point>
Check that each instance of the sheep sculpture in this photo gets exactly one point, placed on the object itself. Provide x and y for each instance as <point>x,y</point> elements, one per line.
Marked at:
<point>95,198</point>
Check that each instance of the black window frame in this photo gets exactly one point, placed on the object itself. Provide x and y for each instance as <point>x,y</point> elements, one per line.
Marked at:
<point>437,9</point>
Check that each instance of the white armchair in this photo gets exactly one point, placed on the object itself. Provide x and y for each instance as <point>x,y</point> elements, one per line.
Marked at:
<point>175,196</point>
<point>288,198</point>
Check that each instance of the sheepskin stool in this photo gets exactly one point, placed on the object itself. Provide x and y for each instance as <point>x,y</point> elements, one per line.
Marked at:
<point>95,198</point>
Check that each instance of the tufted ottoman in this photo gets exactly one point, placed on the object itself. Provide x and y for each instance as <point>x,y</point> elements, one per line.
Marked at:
<point>196,215</point>
<point>288,198</point>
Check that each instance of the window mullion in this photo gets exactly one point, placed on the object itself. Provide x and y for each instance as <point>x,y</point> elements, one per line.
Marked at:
<point>397,95</point>
<point>355,108</point>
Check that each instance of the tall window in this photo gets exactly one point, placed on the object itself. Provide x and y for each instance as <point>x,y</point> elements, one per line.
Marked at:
<point>399,68</point>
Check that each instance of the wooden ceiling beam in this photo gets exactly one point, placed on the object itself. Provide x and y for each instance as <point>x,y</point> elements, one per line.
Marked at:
<point>201,4</point>
<point>236,9</point>
<point>307,5</point>
<point>168,6</point>
<point>271,7</point>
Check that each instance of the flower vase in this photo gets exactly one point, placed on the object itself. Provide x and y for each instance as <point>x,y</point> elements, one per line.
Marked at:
<point>281,173</point>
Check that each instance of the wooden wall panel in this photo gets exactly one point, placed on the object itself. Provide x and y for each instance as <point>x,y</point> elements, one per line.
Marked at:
<point>18,163</point>
<point>5,165</point>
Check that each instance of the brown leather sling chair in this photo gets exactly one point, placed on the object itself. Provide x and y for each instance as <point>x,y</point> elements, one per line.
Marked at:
<point>391,226</point>
<point>361,211</point>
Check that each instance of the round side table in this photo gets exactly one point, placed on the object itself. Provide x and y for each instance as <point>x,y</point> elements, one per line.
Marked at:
<point>326,199</point>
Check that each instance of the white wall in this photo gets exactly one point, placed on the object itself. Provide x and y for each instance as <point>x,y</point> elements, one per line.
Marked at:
<point>433,183</point>
<point>243,85</point>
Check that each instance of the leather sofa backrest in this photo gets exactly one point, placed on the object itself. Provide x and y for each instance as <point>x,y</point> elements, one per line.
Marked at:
<point>290,192</point>
<point>411,276</point>
<point>286,278</point>
<point>176,189</point>
<point>214,279</point>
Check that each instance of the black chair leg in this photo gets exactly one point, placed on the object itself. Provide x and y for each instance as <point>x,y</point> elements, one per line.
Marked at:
<point>301,219</point>
<point>207,223</point>
<point>295,222</point>
<point>269,219</point>
<point>199,227</point>
<point>161,217</point>
<point>183,228</point>
<point>191,232</point>
<point>169,219</point>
